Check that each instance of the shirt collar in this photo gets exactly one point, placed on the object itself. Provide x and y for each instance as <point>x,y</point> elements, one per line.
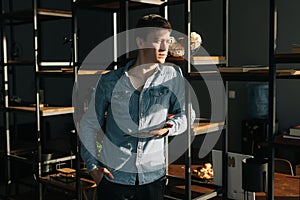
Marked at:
<point>128,64</point>
<point>131,62</point>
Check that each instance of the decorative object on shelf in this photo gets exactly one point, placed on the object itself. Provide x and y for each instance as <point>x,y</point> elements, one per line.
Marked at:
<point>205,172</point>
<point>176,47</point>
<point>196,42</point>
<point>65,175</point>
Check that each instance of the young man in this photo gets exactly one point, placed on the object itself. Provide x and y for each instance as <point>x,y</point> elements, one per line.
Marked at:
<point>134,101</point>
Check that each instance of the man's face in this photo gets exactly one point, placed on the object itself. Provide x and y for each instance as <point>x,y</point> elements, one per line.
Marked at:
<point>156,45</point>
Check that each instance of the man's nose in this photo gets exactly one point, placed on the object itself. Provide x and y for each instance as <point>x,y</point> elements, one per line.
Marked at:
<point>164,45</point>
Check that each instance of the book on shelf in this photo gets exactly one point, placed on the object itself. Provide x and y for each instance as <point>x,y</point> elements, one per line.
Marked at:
<point>245,68</point>
<point>287,136</point>
<point>295,131</point>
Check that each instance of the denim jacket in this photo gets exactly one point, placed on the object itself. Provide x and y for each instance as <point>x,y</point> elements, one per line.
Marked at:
<point>127,152</point>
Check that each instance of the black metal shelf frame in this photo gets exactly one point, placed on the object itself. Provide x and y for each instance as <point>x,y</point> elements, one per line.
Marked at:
<point>224,136</point>
<point>35,16</point>
<point>274,59</point>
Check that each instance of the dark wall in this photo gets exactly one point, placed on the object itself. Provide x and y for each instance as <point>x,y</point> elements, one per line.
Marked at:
<point>248,44</point>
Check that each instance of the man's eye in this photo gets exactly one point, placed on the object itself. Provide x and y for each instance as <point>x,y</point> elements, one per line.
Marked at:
<point>162,41</point>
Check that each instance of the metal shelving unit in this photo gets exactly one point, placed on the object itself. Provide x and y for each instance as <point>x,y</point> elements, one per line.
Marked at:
<point>35,17</point>
<point>274,59</point>
<point>205,74</point>
<point>269,76</point>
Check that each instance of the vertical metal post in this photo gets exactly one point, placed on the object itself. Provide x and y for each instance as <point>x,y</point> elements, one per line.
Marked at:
<point>188,19</point>
<point>74,61</point>
<point>188,154</point>
<point>163,9</point>
<point>225,153</point>
<point>115,32</point>
<point>272,102</point>
<point>37,89</point>
<point>226,131</point>
<point>4,65</point>
<point>124,25</point>
<point>226,30</point>
<point>75,40</point>
<point>188,179</point>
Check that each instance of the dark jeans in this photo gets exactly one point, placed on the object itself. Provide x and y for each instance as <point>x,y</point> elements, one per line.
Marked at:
<point>113,191</point>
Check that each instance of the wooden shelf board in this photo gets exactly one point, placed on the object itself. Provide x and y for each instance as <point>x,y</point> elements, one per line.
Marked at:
<point>243,69</point>
<point>44,63</point>
<point>44,14</point>
<point>279,72</point>
<point>92,72</point>
<point>85,183</point>
<point>46,111</point>
<point>56,72</point>
<point>207,127</point>
<point>208,60</point>
<point>134,4</point>
<point>20,62</point>
<point>200,60</point>
<point>176,174</point>
<point>55,13</point>
<point>106,4</point>
<point>259,75</point>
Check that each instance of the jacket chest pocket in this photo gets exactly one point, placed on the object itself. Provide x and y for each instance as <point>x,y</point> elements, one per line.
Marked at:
<point>159,95</point>
<point>158,101</point>
<point>159,91</point>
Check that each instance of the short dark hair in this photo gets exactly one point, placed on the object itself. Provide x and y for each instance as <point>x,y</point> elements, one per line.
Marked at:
<point>151,20</point>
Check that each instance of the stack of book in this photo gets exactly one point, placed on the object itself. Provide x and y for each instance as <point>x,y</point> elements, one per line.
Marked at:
<point>294,133</point>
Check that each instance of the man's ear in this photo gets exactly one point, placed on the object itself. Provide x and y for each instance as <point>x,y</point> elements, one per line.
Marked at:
<point>139,42</point>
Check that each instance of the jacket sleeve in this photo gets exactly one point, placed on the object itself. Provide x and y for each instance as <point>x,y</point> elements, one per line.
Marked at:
<point>90,127</point>
<point>177,105</point>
